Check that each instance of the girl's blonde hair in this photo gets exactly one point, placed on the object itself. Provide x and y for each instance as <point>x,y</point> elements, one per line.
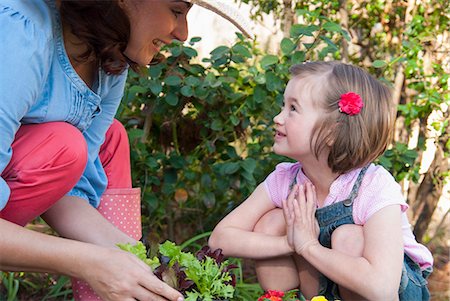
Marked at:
<point>357,140</point>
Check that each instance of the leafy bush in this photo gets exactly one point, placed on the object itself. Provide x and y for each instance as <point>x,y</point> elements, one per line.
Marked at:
<point>201,133</point>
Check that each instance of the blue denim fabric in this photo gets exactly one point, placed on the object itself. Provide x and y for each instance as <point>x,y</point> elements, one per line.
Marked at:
<point>38,84</point>
<point>329,218</point>
<point>413,284</point>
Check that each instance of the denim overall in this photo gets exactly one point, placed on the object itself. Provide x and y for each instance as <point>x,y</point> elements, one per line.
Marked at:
<point>413,281</point>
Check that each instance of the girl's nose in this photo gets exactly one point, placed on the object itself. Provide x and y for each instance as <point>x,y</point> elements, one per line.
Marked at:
<point>278,119</point>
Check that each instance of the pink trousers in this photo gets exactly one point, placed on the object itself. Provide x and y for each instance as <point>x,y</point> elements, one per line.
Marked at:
<point>48,160</point>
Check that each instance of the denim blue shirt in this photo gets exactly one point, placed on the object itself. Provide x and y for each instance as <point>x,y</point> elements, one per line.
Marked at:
<point>38,84</point>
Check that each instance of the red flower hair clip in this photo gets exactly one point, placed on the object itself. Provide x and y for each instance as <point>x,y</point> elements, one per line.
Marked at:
<point>350,103</point>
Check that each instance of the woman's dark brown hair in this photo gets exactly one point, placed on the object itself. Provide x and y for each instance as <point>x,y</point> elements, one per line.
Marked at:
<point>104,27</point>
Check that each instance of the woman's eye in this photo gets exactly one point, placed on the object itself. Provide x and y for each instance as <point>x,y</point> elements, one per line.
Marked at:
<point>177,13</point>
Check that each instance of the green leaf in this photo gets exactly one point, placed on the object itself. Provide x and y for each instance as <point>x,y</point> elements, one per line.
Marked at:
<point>273,82</point>
<point>140,251</point>
<point>155,86</point>
<point>219,52</point>
<point>217,125</point>
<point>379,64</point>
<point>249,165</point>
<point>155,71</point>
<point>192,81</point>
<point>234,120</point>
<point>171,99</point>
<point>298,57</point>
<point>241,50</point>
<point>229,168</point>
<point>268,60</point>
<point>331,26</point>
<point>259,94</point>
<point>172,80</point>
<point>187,91</point>
<point>298,30</point>
<point>190,52</point>
<point>287,46</point>
<point>195,40</point>
<point>176,50</point>
<point>136,90</point>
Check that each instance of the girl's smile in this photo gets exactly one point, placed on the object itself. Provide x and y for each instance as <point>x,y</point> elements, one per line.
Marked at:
<point>279,135</point>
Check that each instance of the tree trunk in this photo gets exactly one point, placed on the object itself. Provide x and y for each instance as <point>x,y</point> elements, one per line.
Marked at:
<point>430,191</point>
<point>344,23</point>
<point>288,17</point>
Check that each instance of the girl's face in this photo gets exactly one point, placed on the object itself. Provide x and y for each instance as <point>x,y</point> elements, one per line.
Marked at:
<point>294,124</point>
<point>153,24</point>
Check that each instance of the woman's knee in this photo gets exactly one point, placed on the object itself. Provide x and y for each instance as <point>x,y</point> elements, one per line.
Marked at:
<point>348,239</point>
<point>116,136</point>
<point>70,147</point>
<point>49,145</point>
<point>271,223</point>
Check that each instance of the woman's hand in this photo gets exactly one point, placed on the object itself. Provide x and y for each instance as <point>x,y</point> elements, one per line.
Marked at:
<point>299,210</point>
<point>116,275</point>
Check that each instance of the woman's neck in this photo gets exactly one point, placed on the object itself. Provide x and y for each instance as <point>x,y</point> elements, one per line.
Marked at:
<point>75,48</point>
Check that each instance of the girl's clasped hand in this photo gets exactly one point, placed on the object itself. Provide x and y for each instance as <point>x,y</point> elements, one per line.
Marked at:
<point>302,228</point>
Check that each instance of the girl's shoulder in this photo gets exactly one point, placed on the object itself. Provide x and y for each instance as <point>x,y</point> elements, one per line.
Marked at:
<point>377,175</point>
<point>378,190</point>
<point>287,168</point>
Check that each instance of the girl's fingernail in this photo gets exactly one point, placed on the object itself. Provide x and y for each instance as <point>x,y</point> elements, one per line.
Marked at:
<point>180,299</point>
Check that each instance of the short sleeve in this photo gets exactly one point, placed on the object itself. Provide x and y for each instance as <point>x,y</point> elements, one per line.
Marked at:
<point>25,55</point>
<point>278,182</point>
<point>378,190</point>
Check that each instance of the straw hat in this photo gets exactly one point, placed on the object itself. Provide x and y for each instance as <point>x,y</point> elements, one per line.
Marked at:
<point>227,11</point>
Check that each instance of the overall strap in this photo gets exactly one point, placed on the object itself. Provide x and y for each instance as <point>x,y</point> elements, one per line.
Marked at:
<point>349,201</point>
<point>294,181</point>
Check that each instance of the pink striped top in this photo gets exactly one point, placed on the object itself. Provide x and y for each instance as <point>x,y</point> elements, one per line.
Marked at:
<point>378,190</point>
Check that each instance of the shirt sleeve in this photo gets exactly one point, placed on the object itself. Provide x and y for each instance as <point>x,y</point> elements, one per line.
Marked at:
<point>25,55</point>
<point>93,182</point>
<point>378,190</point>
<point>277,183</point>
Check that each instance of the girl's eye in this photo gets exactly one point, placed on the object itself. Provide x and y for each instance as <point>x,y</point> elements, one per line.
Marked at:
<point>293,108</point>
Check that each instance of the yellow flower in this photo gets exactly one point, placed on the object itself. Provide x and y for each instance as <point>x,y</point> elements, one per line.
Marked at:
<point>319,298</point>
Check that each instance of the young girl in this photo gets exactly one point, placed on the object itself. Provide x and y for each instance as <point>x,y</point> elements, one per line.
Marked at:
<point>62,155</point>
<point>343,231</point>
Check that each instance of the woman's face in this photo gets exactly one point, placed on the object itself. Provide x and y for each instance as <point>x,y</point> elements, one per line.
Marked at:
<point>153,24</point>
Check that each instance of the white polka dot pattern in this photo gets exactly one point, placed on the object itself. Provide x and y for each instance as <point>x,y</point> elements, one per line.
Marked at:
<point>121,207</point>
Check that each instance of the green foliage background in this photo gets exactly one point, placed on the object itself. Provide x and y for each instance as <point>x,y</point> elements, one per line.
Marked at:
<point>201,134</point>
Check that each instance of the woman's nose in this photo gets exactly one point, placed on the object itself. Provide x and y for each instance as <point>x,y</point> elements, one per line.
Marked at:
<point>181,31</point>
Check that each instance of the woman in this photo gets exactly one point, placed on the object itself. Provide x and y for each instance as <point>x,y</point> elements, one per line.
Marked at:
<point>62,155</point>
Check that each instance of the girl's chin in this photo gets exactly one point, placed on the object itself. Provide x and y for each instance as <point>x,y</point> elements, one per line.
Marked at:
<point>276,150</point>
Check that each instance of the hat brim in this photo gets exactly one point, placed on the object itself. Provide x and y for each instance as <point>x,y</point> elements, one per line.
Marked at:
<point>227,12</point>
